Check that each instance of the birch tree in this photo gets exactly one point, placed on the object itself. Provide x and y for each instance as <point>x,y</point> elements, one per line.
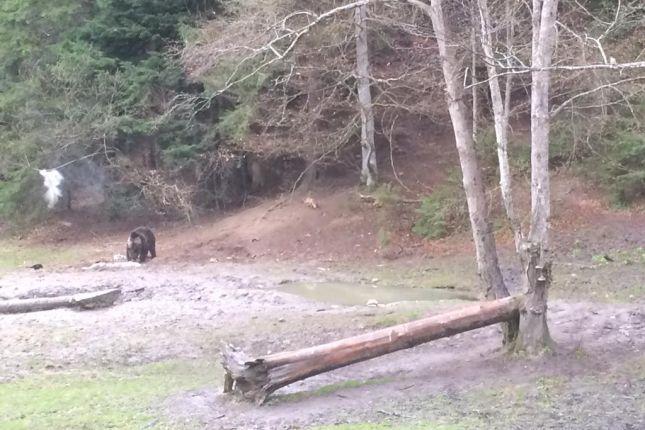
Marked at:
<point>534,331</point>
<point>485,247</point>
<point>368,150</point>
<point>533,249</point>
<point>501,108</point>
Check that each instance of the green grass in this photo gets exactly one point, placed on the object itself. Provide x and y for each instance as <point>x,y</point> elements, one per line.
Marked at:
<point>621,256</point>
<point>13,255</point>
<point>617,281</point>
<point>380,321</point>
<point>119,399</point>
<point>458,273</point>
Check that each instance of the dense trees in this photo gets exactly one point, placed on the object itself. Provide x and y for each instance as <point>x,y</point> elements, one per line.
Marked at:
<point>163,97</point>
<point>79,78</point>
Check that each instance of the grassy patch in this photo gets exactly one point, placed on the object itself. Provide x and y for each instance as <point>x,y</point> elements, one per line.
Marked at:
<point>621,256</point>
<point>123,399</point>
<point>458,274</point>
<point>381,321</point>
<point>13,255</point>
<point>614,276</point>
<point>444,211</point>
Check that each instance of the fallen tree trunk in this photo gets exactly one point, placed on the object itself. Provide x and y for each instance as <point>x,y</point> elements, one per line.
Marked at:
<point>257,378</point>
<point>93,300</point>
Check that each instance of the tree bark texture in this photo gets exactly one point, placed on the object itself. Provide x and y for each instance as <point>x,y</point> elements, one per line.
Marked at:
<point>544,34</point>
<point>369,173</point>
<point>534,337</point>
<point>534,332</point>
<point>486,250</point>
<point>95,300</point>
<point>473,80</point>
<point>501,116</point>
<point>256,378</point>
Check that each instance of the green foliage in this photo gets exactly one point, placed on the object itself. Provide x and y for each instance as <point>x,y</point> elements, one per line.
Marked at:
<point>609,151</point>
<point>21,197</point>
<point>486,146</point>
<point>386,195</point>
<point>564,145</point>
<point>76,77</point>
<point>234,124</point>
<point>130,29</point>
<point>519,155</point>
<point>27,34</point>
<point>444,211</point>
<point>623,165</point>
<point>121,200</point>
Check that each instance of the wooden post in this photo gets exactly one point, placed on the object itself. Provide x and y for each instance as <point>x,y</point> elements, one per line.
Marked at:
<point>256,378</point>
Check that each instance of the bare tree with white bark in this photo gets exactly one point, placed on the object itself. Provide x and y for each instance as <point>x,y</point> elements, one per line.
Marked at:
<point>532,246</point>
<point>369,173</point>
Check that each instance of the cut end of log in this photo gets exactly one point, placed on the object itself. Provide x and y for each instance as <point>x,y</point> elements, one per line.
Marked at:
<point>245,376</point>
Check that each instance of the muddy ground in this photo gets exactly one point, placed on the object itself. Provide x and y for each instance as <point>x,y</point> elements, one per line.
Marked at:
<point>181,316</point>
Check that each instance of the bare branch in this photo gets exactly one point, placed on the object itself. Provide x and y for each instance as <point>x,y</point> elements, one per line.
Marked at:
<point>524,70</point>
<point>556,111</point>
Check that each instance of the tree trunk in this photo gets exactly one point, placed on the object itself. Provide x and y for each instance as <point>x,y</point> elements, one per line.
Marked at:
<point>534,333</point>
<point>487,261</point>
<point>473,80</point>
<point>534,337</point>
<point>501,115</point>
<point>369,173</point>
<point>94,300</point>
<point>540,123</point>
<point>256,378</point>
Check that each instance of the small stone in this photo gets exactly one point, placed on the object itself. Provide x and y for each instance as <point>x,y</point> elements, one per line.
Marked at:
<point>118,258</point>
<point>372,302</point>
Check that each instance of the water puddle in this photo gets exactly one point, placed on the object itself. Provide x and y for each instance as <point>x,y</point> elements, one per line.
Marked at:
<point>348,294</point>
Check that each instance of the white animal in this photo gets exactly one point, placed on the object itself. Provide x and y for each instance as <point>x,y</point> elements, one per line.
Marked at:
<point>52,180</point>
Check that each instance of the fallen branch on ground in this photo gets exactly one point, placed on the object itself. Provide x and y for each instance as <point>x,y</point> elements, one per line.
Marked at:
<point>256,378</point>
<point>93,300</point>
<point>102,265</point>
<point>373,200</point>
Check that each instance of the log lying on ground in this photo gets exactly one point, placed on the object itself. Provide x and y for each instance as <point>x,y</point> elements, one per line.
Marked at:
<point>256,378</point>
<point>93,300</point>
